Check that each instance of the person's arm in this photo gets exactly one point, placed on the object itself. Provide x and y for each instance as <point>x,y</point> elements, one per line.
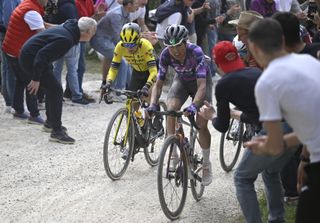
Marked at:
<point>201,91</point>
<point>156,92</point>
<point>151,65</point>
<point>115,64</point>
<point>116,26</point>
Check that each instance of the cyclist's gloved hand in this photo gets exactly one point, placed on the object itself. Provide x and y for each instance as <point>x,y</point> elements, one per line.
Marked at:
<point>104,90</point>
<point>152,109</point>
<point>191,110</point>
<point>145,89</point>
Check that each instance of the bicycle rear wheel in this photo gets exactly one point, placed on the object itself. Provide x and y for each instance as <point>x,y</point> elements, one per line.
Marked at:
<point>118,147</point>
<point>172,178</point>
<point>157,138</point>
<point>230,145</point>
<point>197,188</point>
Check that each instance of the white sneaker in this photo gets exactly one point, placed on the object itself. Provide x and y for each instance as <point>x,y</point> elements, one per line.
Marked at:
<point>206,174</point>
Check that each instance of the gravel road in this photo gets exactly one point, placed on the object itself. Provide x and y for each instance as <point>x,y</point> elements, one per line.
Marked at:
<point>41,181</point>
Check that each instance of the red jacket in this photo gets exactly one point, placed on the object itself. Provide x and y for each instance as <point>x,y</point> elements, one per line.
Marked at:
<point>18,31</point>
<point>85,8</point>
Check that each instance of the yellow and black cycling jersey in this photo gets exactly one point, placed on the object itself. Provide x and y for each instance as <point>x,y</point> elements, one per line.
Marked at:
<point>143,59</point>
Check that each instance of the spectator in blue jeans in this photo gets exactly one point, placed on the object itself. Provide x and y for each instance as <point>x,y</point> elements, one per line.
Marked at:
<point>67,10</point>
<point>237,87</point>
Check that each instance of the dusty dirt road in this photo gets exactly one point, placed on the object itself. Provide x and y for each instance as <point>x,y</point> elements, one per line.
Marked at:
<point>41,181</point>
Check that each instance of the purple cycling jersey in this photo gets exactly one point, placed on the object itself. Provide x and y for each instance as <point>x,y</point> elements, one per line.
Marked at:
<point>193,67</point>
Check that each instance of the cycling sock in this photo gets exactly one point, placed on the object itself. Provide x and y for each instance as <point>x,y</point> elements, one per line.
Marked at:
<point>206,156</point>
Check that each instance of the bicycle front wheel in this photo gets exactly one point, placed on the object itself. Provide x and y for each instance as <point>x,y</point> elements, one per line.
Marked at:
<point>157,137</point>
<point>118,144</point>
<point>197,188</point>
<point>230,145</point>
<point>172,178</point>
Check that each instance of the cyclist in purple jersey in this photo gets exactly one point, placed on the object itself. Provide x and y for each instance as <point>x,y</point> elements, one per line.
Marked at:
<point>193,79</point>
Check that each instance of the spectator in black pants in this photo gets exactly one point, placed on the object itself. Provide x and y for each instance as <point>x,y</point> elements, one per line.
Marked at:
<point>36,59</point>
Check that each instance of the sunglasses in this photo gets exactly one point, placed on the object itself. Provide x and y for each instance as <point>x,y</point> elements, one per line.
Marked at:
<point>129,45</point>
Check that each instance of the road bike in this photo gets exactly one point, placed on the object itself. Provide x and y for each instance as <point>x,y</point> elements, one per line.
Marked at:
<point>231,142</point>
<point>180,160</point>
<point>127,134</point>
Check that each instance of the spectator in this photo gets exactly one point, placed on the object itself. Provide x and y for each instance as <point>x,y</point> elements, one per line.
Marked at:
<point>284,97</point>
<point>85,9</point>
<point>7,75</point>
<point>67,10</point>
<point>171,13</point>
<point>242,25</point>
<point>265,7</point>
<point>293,44</point>
<point>36,58</point>
<point>25,21</point>
<point>107,37</point>
<point>237,87</point>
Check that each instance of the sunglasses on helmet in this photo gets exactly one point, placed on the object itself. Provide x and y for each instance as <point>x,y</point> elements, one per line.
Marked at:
<point>129,45</point>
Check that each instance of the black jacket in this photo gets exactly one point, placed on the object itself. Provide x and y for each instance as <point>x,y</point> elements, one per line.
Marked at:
<point>48,46</point>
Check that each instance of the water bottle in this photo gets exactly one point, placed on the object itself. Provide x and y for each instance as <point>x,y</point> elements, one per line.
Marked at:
<point>139,117</point>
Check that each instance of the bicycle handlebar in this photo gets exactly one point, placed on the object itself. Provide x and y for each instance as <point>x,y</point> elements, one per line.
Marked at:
<point>128,94</point>
<point>179,114</point>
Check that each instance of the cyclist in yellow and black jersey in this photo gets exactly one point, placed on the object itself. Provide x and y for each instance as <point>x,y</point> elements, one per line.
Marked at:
<point>139,53</point>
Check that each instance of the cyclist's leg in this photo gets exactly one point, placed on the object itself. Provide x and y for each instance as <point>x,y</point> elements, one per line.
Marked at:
<point>177,95</point>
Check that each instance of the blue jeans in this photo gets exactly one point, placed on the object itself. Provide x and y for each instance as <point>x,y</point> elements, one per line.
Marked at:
<point>121,80</point>
<point>7,78</point>
<point>71,58</point>
<point>246,174</point>
<point>82,64</point>
<point>212,37</point>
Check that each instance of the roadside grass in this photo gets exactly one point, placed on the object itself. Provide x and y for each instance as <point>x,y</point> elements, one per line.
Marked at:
<point>290,211</point>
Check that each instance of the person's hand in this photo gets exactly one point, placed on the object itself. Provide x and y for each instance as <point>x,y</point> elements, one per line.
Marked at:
<point>145,90</point>
<point>33,87</point>
<point>235,114</point>
<point>151,36</point>
<point>257,145</point>
<point>190,110</point>
<point>234,9</point>
<point>207,111</point>
<point>301,15</point>
<point>206,6</point>
<point>152,109</point>
<point>219,19</point>
<point>301,176</point>
<point>104,89</point>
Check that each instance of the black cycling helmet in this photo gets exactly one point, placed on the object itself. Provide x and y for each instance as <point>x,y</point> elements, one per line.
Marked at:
<point>175,34</point>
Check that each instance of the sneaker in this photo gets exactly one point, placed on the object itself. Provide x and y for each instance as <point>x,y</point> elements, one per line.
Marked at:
<point>22,116</point>
<point>89,98</point>
<point>206,174</point>
<point>36,120</point>
<point>67,94</point>
<point>81,101</point>
<point>116,98</point>
<point>47,128</point>
<point>174,161</point>
<point>61,137</point>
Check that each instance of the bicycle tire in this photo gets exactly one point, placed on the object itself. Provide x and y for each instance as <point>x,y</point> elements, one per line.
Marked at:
<point>152,151</point>
<point>177,177</point>
<point>197,188</point>
<point>107,158</point>
<point>236,142</point>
